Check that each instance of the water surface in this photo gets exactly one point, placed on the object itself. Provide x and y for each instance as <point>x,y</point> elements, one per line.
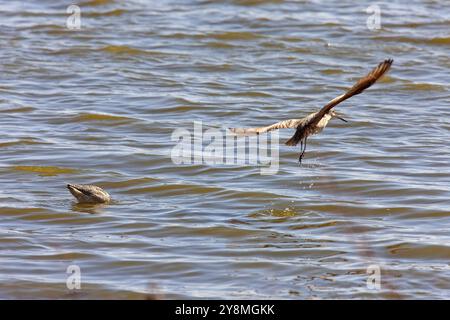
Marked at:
<point>99,105</point>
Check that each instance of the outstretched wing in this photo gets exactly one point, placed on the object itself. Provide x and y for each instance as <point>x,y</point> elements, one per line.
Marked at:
<point>291,123</point>
<point>357,88</point>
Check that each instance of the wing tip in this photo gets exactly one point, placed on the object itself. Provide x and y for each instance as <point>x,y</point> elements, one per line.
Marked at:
<point>385,65</point>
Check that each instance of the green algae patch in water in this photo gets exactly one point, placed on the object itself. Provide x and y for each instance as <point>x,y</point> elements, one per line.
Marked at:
<point>234,35</point>
<point>19,142</point>
<point>17,110</point>
<point>126,50</point>
<point>102,118</point>
<point>45,171</point>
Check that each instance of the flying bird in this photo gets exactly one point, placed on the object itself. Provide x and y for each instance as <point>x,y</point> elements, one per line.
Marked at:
<point>317,121</point>
<point>88,193</point>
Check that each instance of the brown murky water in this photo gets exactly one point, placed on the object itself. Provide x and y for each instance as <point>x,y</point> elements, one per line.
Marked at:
<point>99,105</point>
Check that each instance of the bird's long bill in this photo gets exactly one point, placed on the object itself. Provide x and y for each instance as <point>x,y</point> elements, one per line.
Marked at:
<point>340,118</point>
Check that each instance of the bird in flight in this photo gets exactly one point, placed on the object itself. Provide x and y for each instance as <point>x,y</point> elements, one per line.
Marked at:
<point>317,121</point>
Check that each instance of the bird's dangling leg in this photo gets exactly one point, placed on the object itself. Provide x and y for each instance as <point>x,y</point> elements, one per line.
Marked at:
<point>302,148</point>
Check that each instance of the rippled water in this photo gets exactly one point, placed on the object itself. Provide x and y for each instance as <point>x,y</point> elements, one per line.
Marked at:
<point>99,105</point>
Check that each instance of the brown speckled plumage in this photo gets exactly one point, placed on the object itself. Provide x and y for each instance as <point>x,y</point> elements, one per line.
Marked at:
<point>88,193</point>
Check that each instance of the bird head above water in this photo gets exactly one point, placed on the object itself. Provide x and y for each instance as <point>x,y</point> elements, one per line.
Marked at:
<point>88,193</point>
<point>322,123</point>
<point>334,114</point>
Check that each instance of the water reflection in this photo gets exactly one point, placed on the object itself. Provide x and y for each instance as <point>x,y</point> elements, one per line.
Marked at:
<point>96,208</point>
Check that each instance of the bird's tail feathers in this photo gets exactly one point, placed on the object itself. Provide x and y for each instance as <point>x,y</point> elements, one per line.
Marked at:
<point>296,138</point>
